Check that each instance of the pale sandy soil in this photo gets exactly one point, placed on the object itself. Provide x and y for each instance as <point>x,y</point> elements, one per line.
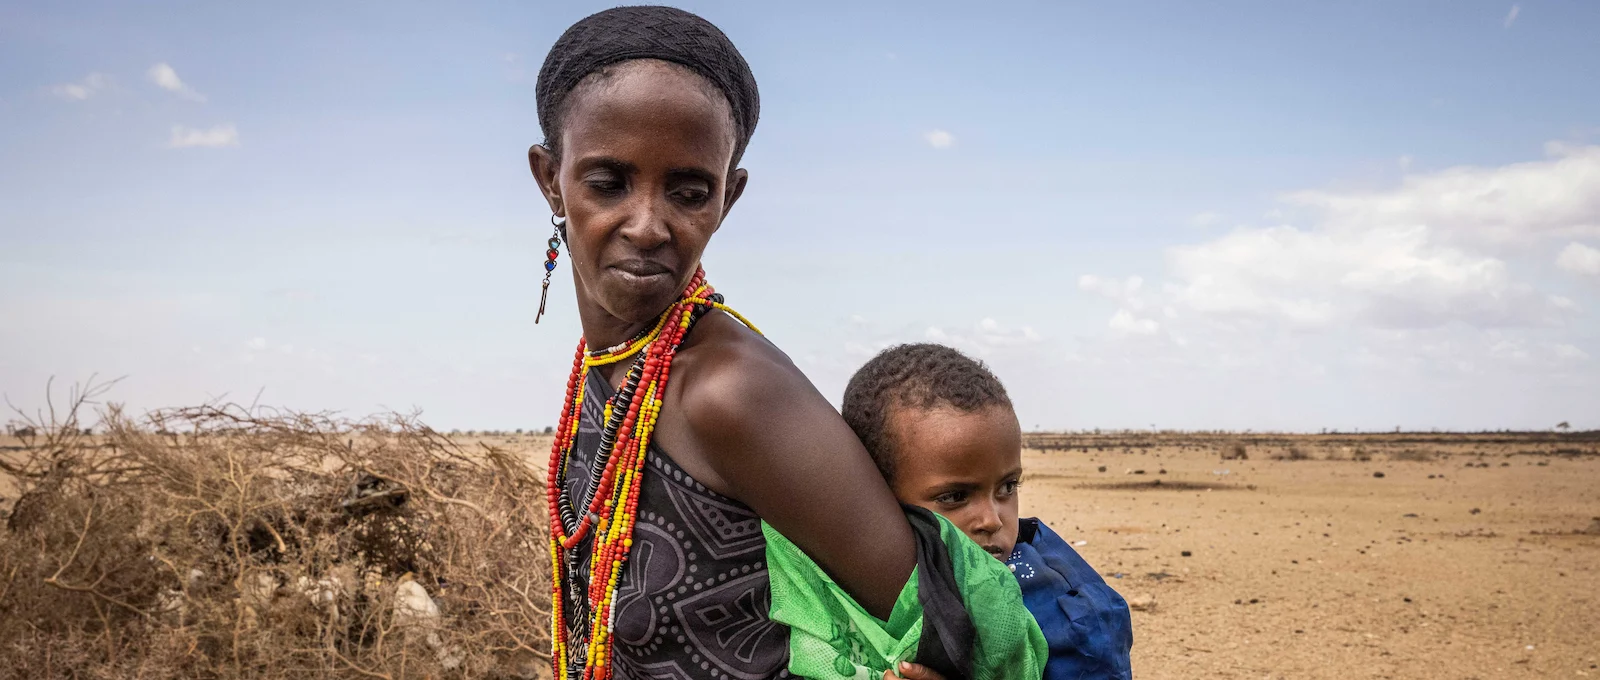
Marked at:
<point>1318,569</point>
<point>1481,561</point>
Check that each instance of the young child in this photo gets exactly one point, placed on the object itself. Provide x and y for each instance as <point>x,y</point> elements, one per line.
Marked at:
<point>942,430</point>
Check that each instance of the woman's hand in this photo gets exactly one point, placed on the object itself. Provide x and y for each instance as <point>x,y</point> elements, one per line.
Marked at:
<point>913,671</point>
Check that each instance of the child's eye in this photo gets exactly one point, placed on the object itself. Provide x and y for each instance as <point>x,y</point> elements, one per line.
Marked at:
<point>951,498</point>
<point>1010,488</point>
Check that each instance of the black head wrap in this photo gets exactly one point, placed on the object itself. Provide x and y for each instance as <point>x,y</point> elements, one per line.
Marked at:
<point>664,33</point>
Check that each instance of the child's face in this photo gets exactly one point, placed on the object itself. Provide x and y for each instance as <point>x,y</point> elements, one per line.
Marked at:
<point>965,466</point>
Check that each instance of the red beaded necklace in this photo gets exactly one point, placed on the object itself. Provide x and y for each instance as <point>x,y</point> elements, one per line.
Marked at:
<point>613,493</point>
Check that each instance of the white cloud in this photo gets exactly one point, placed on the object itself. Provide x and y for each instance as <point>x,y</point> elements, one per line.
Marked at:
<point>1579,259</point>
<point>1388,278</point>
<point>1405,162</point>
<point>1511,17</point>
<point>1205,219</point>
<point>84,89</point>
<point>215,137</point>
<point>1510,205</point>
<point>1570,353</point>
<point>940,139</point>
<point>1126,323</point>
<point>985,337</point>
<point>1430,253</point>
<point>1124,292</point>
<point>167,79</point>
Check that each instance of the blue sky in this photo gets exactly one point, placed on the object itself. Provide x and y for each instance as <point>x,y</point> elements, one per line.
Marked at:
<point>1243,215</point>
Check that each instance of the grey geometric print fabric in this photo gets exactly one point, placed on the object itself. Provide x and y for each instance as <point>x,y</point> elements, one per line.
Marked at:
<point>694,598</point>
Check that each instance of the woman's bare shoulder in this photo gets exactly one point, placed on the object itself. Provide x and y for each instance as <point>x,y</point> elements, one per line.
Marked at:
<point>780,447</point>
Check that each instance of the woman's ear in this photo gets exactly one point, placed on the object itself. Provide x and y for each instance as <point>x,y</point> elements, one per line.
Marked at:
<point>546,169</point>
<point>735,189</point>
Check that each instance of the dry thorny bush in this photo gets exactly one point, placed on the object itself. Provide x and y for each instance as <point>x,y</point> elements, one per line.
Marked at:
<point>239,542</point>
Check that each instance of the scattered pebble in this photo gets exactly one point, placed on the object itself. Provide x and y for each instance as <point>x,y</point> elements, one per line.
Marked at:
<point>1142,602</point>
<point>1474,511</point>
<point>1102,468</point>
<point>1080,544</point>
<point>1186,553</point>
<point>1379,475</point>
<point>1162,471</point>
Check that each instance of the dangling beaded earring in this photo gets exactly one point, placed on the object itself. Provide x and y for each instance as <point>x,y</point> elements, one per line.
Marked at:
<point>550,263</point>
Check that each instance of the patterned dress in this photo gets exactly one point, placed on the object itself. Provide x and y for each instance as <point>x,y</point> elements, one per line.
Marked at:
<point>694,597</point>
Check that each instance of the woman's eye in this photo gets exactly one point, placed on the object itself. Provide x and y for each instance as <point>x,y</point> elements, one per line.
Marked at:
<point>605,185</point>
<point>692,196</point>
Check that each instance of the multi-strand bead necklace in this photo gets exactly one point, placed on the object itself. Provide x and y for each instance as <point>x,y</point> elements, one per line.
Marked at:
<point>611,501</point>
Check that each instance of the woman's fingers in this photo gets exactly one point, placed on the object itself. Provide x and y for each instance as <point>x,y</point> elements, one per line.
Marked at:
<point>913,671</point>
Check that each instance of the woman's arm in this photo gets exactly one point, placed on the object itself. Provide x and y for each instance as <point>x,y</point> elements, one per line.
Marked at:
<point>778,446</point>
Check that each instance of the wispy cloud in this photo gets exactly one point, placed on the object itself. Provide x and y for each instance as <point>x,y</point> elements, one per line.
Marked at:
<point>167,79</point>
<point>1434,252</point>
<point>84,89</point>
<point>1579,259</point>
<point>1511,17</point>
<point>217,136</point>
<point>940,139</point>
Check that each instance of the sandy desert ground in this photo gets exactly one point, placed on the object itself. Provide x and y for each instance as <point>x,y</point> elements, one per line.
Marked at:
<point>1482,561</point>
<point>1471,556</point>
<point>1330,556</point>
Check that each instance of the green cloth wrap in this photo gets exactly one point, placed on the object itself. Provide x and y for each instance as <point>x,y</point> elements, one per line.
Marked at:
<point>832,637</point>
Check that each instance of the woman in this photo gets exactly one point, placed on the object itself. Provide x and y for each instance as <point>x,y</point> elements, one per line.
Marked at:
<point>646,112</point>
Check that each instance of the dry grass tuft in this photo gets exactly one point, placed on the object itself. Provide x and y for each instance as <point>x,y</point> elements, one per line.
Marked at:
<point>231,542</point>
<point>1411,455</point>
<point>1294,453</point>
<point>1235,451</point>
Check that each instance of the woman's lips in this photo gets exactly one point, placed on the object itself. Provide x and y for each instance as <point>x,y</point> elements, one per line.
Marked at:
<point>641,271</point>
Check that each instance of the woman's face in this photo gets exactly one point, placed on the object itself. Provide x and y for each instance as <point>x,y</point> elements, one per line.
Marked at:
<point>644,180</point>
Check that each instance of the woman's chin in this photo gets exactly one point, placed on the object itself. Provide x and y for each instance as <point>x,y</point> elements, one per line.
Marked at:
<point>640,308</point>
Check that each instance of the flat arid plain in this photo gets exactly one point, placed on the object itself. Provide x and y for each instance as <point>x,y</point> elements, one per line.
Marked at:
<point>1368,556</point>
<point>1417,555</point>
<point>1399,555</point>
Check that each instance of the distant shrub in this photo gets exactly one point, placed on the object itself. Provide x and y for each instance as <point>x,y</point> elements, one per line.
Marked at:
<point>1235,451</point>
<point>1294,453</point>
<point>1411,455</point>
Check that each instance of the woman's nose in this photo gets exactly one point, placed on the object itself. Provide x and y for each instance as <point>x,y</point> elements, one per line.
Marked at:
<point>646,226</point>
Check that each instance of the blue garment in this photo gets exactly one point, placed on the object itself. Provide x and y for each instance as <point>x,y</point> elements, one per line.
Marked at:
<point>1085,622</point>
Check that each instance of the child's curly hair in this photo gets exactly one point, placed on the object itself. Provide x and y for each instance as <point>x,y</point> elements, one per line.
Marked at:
<point>922,376</point>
